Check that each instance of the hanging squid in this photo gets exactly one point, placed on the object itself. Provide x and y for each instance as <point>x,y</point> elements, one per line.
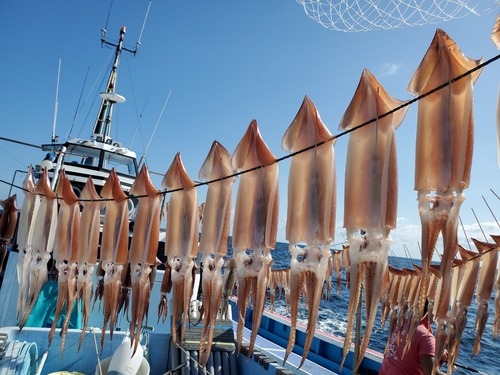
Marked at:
<point>347,265</point>
<point>495,35</point>
<point>114,248</point>
<point>328,278</point>
<point>385,306</point>
<point>25,229</point>
<point>443,159</point>
<point>143,248</point>
<point>496,320</point>
<point>464,295</point>
<point>44,229</point>
<point>310,213</point>
<point>255,225</point>
<point>484,286</point>
<point>181,243</point>
<point>214,237</point>
<point>337,267</point>
<point>8,222</point>
<point>65,254</point>
<point>370,208</point>
<point>228,280</point>
<point>88,244</point>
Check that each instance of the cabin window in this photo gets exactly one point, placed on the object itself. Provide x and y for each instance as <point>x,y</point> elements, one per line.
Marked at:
<point>121,163</point>
<point>86,156</point>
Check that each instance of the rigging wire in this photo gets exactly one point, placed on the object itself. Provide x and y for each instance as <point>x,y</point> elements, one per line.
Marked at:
<point>139,118</point>
<point>78,108</point>
<point>156,126</point>
<point>106,64</point>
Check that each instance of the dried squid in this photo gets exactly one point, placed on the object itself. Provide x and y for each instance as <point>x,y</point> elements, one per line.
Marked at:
<point>214,237</point>
<point>181,243</point>
<point>143,248</point>
<point>370,205</point>
<point>484,286</point>
<point>114,248</point>
<point>445,130</point>
<point>310,213</point>
<point>65,254</point>
<point>27,218</point>
<point>88,244</point>
<point>464,294</point>
<point>8,222</point>
<point>255,225</point>
<point>44,230</point>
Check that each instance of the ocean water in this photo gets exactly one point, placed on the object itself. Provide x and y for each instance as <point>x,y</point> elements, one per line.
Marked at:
<point>333,320</point>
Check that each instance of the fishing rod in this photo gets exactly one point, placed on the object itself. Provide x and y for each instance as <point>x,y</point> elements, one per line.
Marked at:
<point>469,369</point>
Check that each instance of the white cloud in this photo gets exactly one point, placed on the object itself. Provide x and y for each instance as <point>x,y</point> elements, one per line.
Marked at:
<point>389,69</point>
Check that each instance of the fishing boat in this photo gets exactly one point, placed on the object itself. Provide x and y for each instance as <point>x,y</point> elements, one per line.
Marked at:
<point>26,351</point>
<point>95,156</point>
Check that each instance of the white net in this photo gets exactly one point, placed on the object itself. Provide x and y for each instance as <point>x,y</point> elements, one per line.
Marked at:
<point>368,15</point>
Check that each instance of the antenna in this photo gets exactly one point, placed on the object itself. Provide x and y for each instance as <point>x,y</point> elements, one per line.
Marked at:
<point>55,138</point>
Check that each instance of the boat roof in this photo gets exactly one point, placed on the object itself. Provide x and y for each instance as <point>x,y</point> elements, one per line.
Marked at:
<point>109,145</point>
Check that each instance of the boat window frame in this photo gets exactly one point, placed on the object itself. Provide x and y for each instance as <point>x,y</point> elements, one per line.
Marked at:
<point>70,152</point>
<point>120,173</point>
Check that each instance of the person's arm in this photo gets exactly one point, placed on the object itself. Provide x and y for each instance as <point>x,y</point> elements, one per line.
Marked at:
<point>427,362</point>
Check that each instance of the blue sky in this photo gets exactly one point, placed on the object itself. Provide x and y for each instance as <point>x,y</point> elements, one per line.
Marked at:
<point>228,63</point>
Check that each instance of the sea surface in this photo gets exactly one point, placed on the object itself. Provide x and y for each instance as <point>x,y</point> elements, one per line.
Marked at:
<point>333,319</point>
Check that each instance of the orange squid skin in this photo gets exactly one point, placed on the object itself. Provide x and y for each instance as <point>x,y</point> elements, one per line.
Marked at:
<point>65,253</point>
<point>445,131</point>
<point>495,34</point>
<point>370,204</point>
<point>143,248</point>
<point>181,243</point>
<point>216,216</point>
<point>484,287</point>
<point>310,214</point>
<point>463,300</point>
<point>8,222</point>
<point>88,244</point>
<point>255,224</point>
<point>114,249</point>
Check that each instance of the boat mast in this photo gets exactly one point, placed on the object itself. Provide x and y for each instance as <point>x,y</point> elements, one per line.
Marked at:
<point>102,126</point>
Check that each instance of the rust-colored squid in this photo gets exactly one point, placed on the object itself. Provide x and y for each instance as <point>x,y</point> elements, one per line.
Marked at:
<point>255,225</point>
<point>445,130</point>
<point>370,205</point>
<point>181,243</point>
<point>8,222</point>
<point>214,237</point>
<point>65,254</point>
<point>114,248</point>
<point>310,215</point>
<point>88,244</point>
<point>143,248</point>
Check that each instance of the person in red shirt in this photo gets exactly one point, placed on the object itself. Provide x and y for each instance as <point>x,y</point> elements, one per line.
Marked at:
<point>419,359</point>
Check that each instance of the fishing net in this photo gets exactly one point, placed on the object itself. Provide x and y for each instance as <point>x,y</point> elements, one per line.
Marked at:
<point>368,15</point>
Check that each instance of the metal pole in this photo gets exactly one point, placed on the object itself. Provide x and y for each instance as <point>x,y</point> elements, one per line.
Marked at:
<point>13,179</point>
<point>357,340</point>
